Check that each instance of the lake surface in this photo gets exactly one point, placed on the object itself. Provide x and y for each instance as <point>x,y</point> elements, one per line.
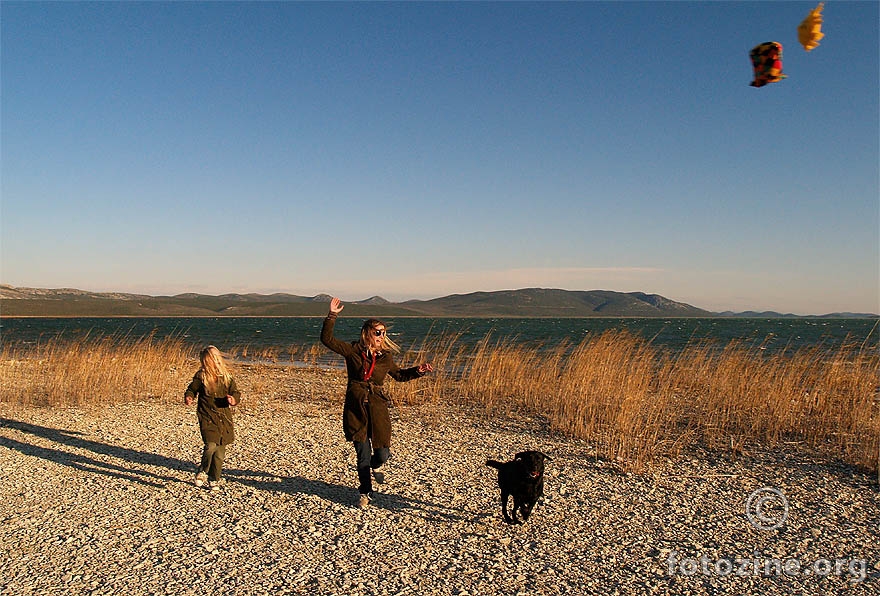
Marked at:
<point>295,334</point>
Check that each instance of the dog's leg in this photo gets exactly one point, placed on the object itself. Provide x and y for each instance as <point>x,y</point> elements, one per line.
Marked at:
<point>518,507</point>
<point>505,498</point>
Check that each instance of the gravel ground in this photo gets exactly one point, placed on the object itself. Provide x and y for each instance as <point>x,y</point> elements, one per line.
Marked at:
<point>102,502</point>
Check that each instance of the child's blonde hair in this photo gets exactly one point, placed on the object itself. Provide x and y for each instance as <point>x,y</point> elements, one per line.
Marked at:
<point>215,375</point>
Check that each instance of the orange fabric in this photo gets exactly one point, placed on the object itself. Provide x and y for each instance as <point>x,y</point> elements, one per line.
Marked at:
<point>810,29</point>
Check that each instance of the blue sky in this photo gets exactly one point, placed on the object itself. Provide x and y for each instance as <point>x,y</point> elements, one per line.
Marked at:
<point>416,150</point>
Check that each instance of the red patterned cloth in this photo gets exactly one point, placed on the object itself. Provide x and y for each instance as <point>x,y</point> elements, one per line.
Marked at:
<point>767,62</point>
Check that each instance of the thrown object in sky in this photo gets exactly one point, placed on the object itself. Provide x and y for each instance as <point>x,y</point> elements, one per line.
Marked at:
<point>767,63</point>
<point>810,29</point>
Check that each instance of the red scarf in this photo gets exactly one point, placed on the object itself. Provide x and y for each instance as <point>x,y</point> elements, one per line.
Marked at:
<point>368,372</point>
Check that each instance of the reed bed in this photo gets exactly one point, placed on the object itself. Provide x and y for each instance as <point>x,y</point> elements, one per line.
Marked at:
<point>92,371</point>
<point>293,353</point>
<point>636,402</point>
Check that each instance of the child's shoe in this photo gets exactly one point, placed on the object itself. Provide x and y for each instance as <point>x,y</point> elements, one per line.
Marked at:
<point>201,479</point>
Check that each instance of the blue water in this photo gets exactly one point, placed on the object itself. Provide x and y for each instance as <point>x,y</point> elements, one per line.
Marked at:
<point>294,334</point>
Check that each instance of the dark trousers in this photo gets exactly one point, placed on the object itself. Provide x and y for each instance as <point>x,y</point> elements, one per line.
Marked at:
<point>212,460</point>
<point>367,458</point>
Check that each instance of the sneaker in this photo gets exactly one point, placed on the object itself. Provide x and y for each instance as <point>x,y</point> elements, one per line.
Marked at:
<point>364,500</point>
<point>216,484</point>
<point>380,476</point>
<point>201,479</point>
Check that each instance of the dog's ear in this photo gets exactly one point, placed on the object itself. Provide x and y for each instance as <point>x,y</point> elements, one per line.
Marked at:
<point>546,457</point>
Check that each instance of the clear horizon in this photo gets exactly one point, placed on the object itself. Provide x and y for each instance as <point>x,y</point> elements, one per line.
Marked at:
<point>420,150</point>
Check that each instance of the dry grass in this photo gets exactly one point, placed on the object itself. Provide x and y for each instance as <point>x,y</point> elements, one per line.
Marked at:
<point>636,402</point>
<point>93,371</point>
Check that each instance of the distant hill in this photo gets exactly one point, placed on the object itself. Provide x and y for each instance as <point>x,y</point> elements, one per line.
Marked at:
<point>540,302</point>
<point>528,302</point>
<point>65,302</point>
<point>769,314</point>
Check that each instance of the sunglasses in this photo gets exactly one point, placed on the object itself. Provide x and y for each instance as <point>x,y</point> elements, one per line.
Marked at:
<point>378,332</point>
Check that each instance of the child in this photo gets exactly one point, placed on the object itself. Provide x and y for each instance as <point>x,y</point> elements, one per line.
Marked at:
<point>365,418</point>
<point>216,391</point>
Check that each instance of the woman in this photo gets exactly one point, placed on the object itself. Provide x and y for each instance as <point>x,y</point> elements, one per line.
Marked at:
<point>365,418</point>
<point>216,391</point>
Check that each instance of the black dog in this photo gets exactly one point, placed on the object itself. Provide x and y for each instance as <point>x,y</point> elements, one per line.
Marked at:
<point>523,479</point>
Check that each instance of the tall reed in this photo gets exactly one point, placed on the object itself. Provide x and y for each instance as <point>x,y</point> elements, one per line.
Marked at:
<point>93,371</point>
<point>638,402</point>
<point>446,354</point>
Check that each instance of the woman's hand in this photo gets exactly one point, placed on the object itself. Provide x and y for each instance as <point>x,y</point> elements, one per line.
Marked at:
<point>336,306</point>
<point>425,368</point>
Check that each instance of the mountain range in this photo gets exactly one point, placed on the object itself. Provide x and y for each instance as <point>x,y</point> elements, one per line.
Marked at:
<point>528,302</point>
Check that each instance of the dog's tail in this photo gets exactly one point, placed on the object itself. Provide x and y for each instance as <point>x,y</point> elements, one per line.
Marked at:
<point>494,464</point>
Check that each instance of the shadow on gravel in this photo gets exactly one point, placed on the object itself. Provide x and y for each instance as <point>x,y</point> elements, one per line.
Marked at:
<point>334,493</point>
<point>429,511</point>
<point>346,496</point>
<point>73,439</point>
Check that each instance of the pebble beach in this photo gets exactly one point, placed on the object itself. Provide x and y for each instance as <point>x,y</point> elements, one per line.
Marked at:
<point>102,501</point>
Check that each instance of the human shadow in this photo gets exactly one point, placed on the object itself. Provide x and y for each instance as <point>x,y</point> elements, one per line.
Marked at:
<point>344,495</point>
<point>263,481</point>
<point>430,511</point>
<point>258,480</point>
<point>87,464</point>
<point>74,439</point>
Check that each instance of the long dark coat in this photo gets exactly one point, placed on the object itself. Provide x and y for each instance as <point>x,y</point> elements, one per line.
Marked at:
<point>366,403</point>
<point>213,411</point>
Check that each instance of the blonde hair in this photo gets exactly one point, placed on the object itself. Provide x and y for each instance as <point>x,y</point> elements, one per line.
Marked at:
<point>369,326</point>
<point>215,375</point>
